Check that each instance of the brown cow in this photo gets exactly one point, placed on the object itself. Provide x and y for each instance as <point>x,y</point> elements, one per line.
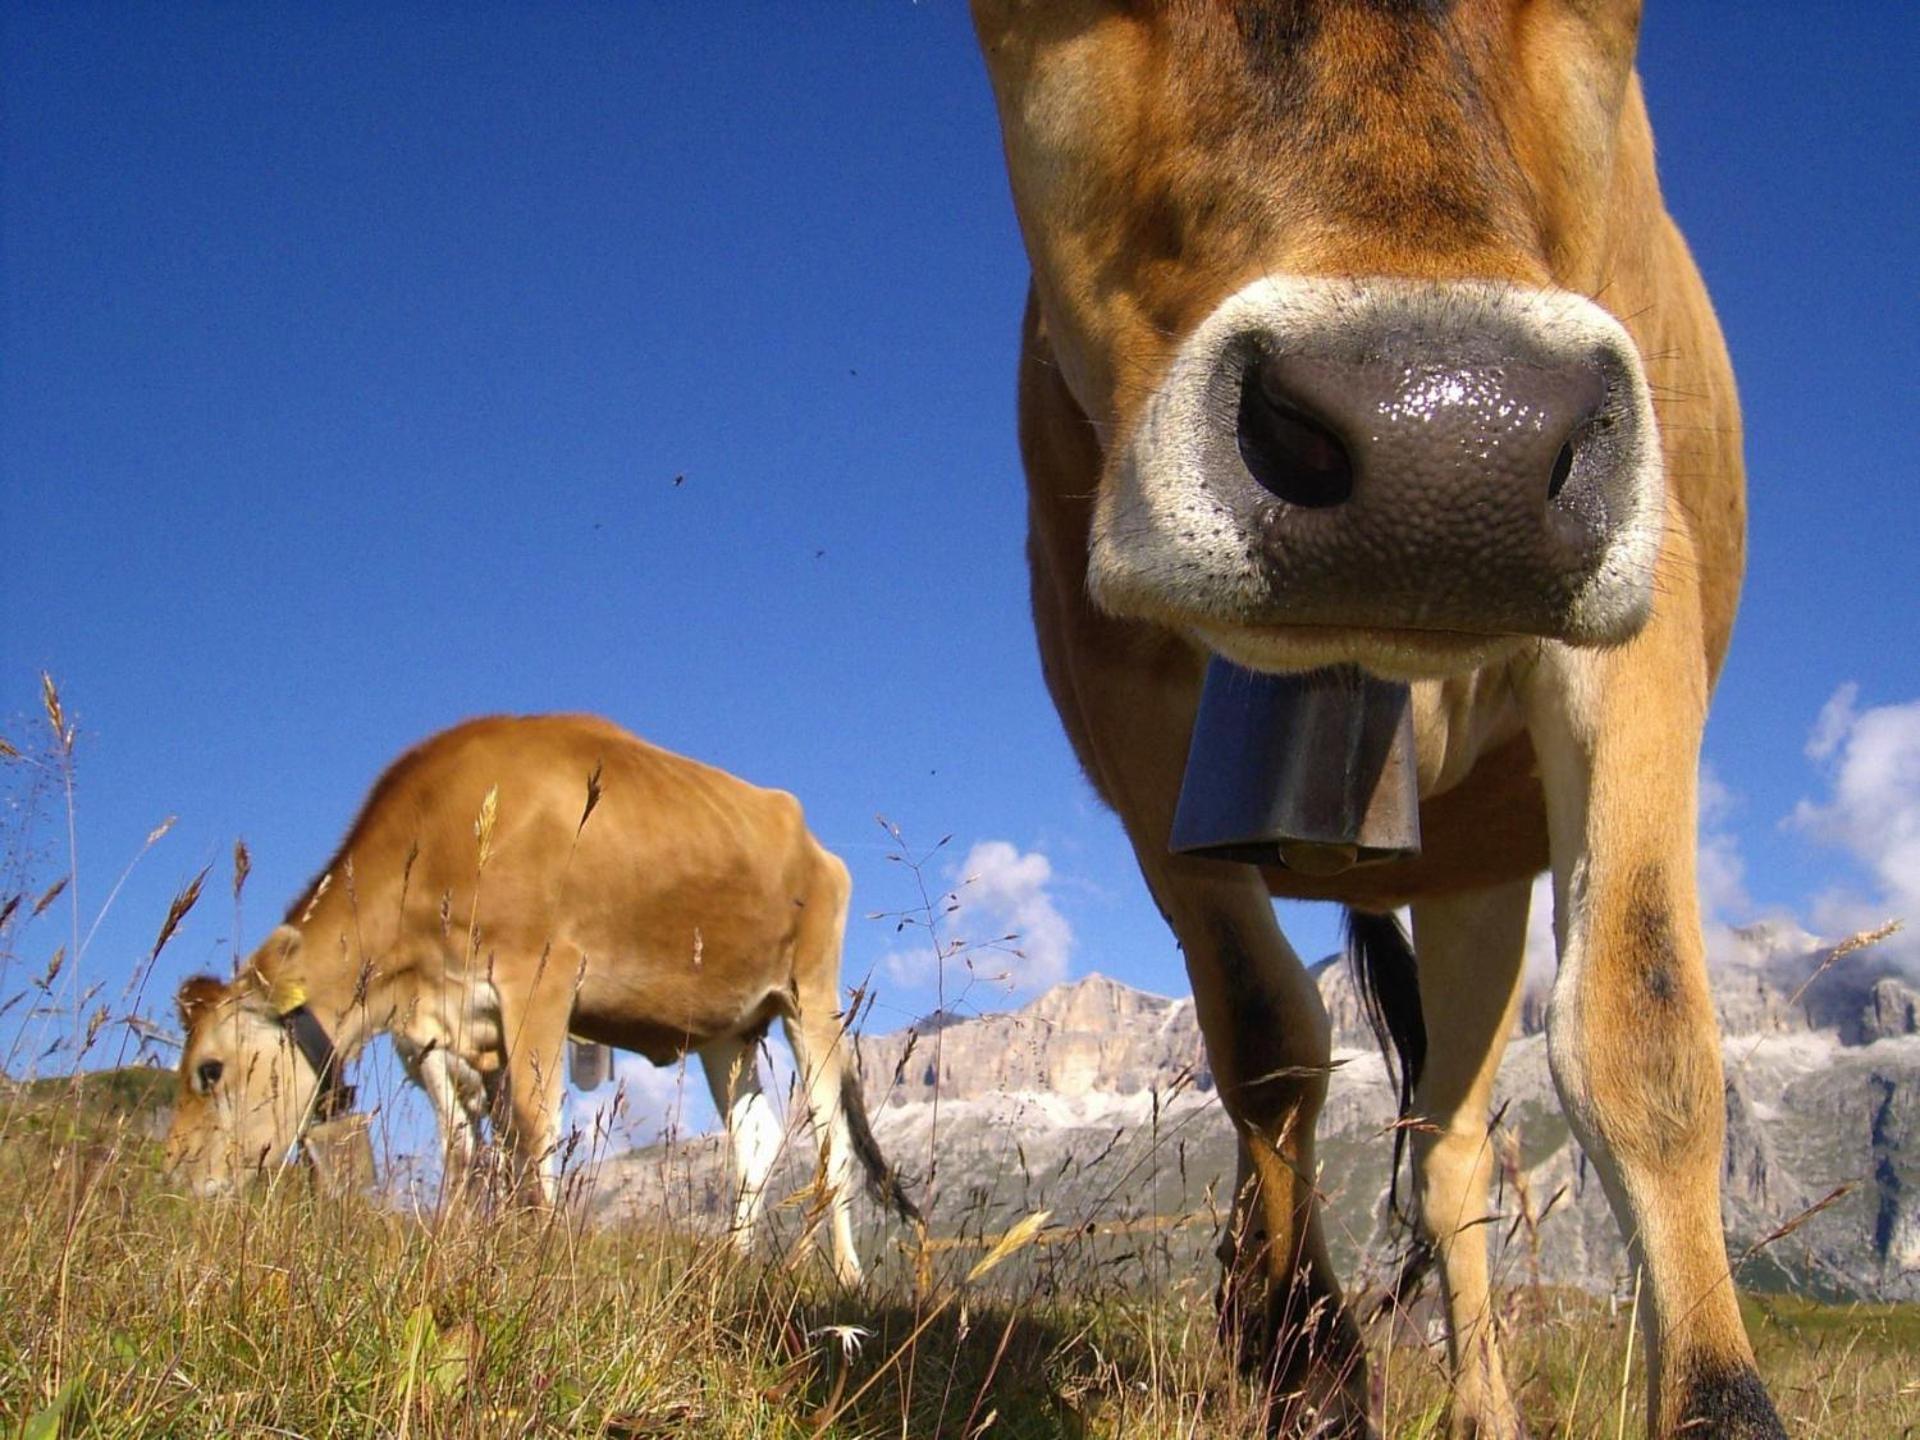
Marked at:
<point>1337,352</point>
<point>509,880</point>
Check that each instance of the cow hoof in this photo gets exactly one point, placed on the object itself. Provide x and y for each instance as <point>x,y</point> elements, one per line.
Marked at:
<point>1337,1417</point>
<point>1243,1322</point>
<point>1728,1404</point>
<point>1329,1401</point>
<point>1490,1427</point>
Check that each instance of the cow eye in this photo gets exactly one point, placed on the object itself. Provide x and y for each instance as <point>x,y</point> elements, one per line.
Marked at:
<point>209,1074</point>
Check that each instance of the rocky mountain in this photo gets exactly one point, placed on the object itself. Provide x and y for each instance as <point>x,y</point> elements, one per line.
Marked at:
<point>1094,1037</point>
<point>1096,1100</point>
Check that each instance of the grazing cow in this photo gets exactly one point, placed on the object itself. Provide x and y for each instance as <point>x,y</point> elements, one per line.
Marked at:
<point>1358,335</point>
<point>505,882</point>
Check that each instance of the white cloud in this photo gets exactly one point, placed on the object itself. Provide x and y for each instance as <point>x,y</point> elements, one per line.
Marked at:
<point>1872,762</point>
<point>1836,718</point>
<point>998,924</point>
<point>642,1103</point>
<point>1543,956</point>
<point>1717,799</point>
<point>915,965</point>
<point>1722,868</point>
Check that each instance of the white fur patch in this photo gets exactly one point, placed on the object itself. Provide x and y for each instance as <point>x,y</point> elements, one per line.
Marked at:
<point>756,1136</point>
<point>449,1043</point>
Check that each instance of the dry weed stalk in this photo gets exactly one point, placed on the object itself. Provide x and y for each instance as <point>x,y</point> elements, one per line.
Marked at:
<point>138,1316</point>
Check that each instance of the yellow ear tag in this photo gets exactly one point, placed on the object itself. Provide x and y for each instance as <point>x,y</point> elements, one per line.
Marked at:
<point>286,996</point>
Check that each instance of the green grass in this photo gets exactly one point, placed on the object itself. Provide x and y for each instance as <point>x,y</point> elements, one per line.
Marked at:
<point>134,1312</point>
<point>127,1310</point>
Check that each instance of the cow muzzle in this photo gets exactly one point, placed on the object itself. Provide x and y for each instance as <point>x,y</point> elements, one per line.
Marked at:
<point>1371,470</point>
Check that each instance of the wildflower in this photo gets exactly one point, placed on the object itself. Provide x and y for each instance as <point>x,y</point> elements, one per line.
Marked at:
<point>851,1337</point>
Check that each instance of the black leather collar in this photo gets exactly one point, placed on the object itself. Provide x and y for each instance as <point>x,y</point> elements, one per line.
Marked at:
<point>335,1096</point>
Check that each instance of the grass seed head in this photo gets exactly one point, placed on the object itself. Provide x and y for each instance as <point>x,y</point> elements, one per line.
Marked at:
<point>313,902</point>
<point>483,825</point>
<point>593,797</point>
<point>177,911</point>
<point>56,713</point>
<point>49,895</point>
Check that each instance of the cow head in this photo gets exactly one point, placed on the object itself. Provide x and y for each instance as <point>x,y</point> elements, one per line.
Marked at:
<point>1317,272</point>
<point>245,1089</point>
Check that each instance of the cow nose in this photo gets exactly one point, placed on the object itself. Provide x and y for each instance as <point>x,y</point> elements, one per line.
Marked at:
<point>1315,431</point>
<point>1428,476</point>
<point>1290,444</point>
<point>1464,458</point>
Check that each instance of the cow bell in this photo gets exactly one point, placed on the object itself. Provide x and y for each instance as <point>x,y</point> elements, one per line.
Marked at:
<point>1314,772</point>
<point>589,1064</point>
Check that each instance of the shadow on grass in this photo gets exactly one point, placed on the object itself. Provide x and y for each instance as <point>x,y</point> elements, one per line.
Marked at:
<point>1014,1369</point>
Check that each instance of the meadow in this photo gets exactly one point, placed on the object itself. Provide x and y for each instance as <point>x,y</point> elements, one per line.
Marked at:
<point>134,1311</point>
<point>130,1309</point>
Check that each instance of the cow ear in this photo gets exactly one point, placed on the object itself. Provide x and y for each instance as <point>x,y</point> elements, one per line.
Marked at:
<point>198,994</point>
<point>276,969</point>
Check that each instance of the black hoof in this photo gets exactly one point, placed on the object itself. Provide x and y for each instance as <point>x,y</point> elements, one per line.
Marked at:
<point>1336,1417</point>
<point>1728,1405</point>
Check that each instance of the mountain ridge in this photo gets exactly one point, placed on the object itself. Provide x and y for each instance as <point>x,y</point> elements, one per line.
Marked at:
<point>1095,1099</point>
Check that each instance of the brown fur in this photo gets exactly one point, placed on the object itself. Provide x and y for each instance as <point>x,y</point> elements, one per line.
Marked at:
<point>198,994</point>
<point>1162,154</point>
<point>686,911</point>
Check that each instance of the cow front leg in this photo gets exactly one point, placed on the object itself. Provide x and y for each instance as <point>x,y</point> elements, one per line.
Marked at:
<point>1268,1042</point>
<point>454,1108</point>
<point>535,1032</point>
<point>1470,950</point>
<point>1632,1035</point>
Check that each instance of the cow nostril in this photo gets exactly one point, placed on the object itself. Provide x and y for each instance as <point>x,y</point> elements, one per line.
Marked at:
<point>1288,453</point>
<point>1562,468</point>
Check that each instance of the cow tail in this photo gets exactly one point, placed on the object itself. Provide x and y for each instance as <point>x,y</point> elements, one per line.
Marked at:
<point>1388,981</point>
<point>883,1181</point>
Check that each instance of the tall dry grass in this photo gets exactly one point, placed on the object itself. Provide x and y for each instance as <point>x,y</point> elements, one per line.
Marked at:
<point>128,1310</point>
<point>133,1312</point>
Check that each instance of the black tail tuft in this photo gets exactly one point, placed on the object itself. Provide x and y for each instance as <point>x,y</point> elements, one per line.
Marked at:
<point>1388,979</point>
<point>882,1180</point>
<point>1416,1264</point>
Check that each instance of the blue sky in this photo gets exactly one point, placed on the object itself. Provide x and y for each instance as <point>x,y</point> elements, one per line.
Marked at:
<point>366,368</point>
